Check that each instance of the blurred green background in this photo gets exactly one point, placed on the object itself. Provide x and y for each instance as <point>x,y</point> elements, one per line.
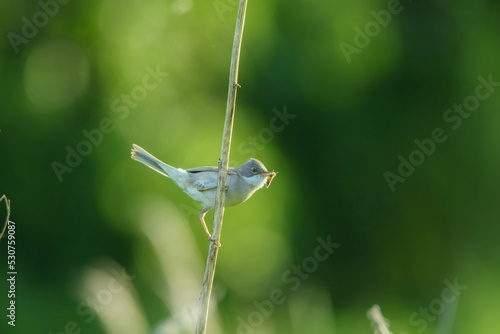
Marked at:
<point>333,93</point>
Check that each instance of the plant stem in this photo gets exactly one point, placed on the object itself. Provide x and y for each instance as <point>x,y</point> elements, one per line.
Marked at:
<point>7,206</point>
<point>379,323</point>
<point>213,248</point>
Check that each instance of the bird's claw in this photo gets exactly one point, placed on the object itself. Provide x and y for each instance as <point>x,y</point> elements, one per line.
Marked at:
<point>214,240</point>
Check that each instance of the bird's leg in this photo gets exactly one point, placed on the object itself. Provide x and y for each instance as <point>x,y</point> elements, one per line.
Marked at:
<point>202,216</point>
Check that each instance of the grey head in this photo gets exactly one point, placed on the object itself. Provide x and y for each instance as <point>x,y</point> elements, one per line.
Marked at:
<point>255,172</point>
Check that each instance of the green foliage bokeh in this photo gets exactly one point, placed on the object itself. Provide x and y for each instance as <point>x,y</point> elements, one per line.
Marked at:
<point>350,118</point>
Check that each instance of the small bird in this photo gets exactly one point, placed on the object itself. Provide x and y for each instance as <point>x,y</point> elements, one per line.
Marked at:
<point>201,183</point>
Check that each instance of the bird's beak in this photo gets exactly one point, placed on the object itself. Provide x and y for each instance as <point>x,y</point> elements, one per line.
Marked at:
<point>270,176</point>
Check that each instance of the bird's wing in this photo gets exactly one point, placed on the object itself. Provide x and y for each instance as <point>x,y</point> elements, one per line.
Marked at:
<point>206,177</point>
<point>203,185</point>
<point>202,169</point>
<point>230,171</point>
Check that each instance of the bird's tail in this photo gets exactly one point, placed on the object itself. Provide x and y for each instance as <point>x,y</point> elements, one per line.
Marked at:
<point>141,155</point>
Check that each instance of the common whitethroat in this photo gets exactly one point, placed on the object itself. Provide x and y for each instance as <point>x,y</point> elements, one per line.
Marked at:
<point>201,183</point>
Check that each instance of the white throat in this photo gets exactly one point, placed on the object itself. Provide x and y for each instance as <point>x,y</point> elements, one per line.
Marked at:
<point>256,182</point>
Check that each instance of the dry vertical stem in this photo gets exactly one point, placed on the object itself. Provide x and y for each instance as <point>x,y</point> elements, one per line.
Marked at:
<point>7,206</point>
<point>379,323</point>
<point>213,248</point>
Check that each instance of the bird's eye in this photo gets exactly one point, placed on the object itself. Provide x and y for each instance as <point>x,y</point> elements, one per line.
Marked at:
<point>254,170</point>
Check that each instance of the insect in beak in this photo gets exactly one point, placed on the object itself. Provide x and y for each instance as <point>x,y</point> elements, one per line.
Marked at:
<point>270,176</point>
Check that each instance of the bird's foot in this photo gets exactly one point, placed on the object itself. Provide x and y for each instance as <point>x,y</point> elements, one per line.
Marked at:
<point>214,241</point>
